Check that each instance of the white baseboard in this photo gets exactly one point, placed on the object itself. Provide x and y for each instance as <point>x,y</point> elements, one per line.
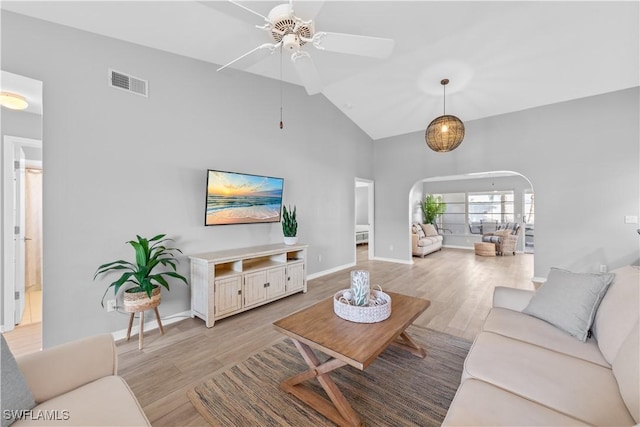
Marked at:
<point>149,326</point>
<point>395,260</point>
<point>331,270</point>
<point>470,248</point>
<point>538,279</point>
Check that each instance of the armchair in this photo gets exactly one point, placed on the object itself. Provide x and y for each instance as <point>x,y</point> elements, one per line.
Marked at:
<point>505,237</point>
<point>78,383</point>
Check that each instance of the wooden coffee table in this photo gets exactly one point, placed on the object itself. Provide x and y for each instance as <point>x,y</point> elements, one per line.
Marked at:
<point>348,343</point>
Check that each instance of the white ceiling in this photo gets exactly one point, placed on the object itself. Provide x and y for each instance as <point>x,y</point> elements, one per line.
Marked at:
<point>500,56</point>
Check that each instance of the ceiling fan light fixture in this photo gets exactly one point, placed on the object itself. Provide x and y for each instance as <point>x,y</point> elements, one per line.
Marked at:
<point>291,42</point>
<point>13,101</point>
<point>291,33</point>
<point>444,133</point>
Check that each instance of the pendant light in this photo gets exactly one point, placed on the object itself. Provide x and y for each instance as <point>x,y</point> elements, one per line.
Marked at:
<point>444,133</point>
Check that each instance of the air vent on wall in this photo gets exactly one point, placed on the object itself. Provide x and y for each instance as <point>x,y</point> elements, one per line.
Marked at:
<point>129,83</point>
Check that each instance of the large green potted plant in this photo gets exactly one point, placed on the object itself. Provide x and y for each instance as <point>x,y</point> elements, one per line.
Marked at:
<point>432,208</point>
<point>289,225</point>
<point>143,277</point>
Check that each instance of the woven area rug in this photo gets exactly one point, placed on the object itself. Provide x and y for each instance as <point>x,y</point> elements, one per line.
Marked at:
<point>398,389</point>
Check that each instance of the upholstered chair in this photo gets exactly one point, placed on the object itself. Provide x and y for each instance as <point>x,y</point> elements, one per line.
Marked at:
<point>505,237</point>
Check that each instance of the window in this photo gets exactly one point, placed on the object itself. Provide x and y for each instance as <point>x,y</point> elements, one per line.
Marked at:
<point>490,209</point>
<point>453,219</point>
<point>476,213</point>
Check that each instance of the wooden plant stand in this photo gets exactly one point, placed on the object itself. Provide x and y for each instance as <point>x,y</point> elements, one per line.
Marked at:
<point>141,333</point>
<point>139,302</point>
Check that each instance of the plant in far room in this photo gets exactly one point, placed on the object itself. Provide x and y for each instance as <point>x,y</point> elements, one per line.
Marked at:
<point>143,277</point>
<point>432,208</point>
<point>289,225</point>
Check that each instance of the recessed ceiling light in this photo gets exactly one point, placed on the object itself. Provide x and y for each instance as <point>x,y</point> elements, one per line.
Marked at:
<point>13,101</point>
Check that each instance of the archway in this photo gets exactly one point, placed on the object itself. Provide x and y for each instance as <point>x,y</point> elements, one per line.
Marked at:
<point>475,199</point>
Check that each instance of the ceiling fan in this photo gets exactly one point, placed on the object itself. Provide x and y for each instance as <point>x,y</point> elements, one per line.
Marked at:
<point>290,33</point>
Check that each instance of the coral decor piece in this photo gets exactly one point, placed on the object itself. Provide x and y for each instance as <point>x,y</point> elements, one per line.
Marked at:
<point>360,287</point>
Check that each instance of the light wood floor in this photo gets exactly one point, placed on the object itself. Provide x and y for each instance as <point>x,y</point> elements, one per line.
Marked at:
<point>458,283</point>
<point>27,336</point>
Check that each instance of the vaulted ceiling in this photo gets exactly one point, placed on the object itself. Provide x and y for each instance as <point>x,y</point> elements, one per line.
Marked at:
<point>500,56</point>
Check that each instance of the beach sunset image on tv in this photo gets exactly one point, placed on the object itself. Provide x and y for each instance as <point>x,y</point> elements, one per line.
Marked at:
<point>235,198</point>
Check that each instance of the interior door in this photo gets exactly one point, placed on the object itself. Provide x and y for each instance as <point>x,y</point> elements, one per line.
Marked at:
<point>19,220</point>
<point>33,229</point>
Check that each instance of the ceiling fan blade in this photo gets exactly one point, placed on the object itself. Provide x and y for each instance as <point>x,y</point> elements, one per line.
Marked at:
<point>266,49</point>
<point>234,9</point>
<point>248,10</point>
<point>375,47</point>
<point>307,72</point>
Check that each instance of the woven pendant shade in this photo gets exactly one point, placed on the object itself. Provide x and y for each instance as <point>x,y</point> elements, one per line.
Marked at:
<point>444,133</point>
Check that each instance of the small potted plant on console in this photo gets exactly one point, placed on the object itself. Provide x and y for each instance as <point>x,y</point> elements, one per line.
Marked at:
<point>289,225</point>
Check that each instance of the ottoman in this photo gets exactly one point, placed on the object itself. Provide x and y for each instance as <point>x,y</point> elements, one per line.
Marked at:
<point>485,249</point>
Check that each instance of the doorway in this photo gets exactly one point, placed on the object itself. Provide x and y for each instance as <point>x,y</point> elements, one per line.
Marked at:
<point>22,231</point>
<point>21,165</point>
<point>32,312</point>
<point>364,219</point>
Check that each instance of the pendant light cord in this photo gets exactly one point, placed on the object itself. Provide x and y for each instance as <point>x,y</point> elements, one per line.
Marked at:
<point>281,123</point>
<point>444,100</point>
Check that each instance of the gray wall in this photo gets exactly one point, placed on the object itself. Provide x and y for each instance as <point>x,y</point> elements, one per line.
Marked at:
<point>20,123</point>
<point>119,164</point>
<point>581,156</point>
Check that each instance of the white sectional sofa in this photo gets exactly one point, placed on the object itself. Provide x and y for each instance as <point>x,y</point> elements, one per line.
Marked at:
<point>524,371</point>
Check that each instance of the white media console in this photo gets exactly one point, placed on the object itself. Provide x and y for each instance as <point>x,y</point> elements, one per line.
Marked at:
<point>224,283</point>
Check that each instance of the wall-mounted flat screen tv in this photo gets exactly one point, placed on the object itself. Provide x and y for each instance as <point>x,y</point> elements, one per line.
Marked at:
<point>239,198</point>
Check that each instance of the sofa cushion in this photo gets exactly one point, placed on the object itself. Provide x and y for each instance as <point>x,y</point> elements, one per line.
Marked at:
<point>577,388</point>
<point>618,311</point>
<point>626,368</point>
<point>478,403</point>
<point>530,329</point>
<point>569,300</point>
<point>429,240</point>
<point>105,402</point>
<point>429,230</point>
<point>417,229</point>
<point>14,392</point>
<point>492,239</point>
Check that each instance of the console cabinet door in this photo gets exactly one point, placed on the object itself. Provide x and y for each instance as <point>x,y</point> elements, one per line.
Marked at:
<point>295,276</point>
<point>228,295</point>
<point>255,288</point>
<point>275,282</point>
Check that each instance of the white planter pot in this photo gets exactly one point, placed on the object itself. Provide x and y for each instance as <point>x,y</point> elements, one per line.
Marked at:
<point>290,240</point>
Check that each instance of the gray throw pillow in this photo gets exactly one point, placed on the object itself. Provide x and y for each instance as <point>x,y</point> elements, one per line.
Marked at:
<point>569,300</point>
<point>15,394</point>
